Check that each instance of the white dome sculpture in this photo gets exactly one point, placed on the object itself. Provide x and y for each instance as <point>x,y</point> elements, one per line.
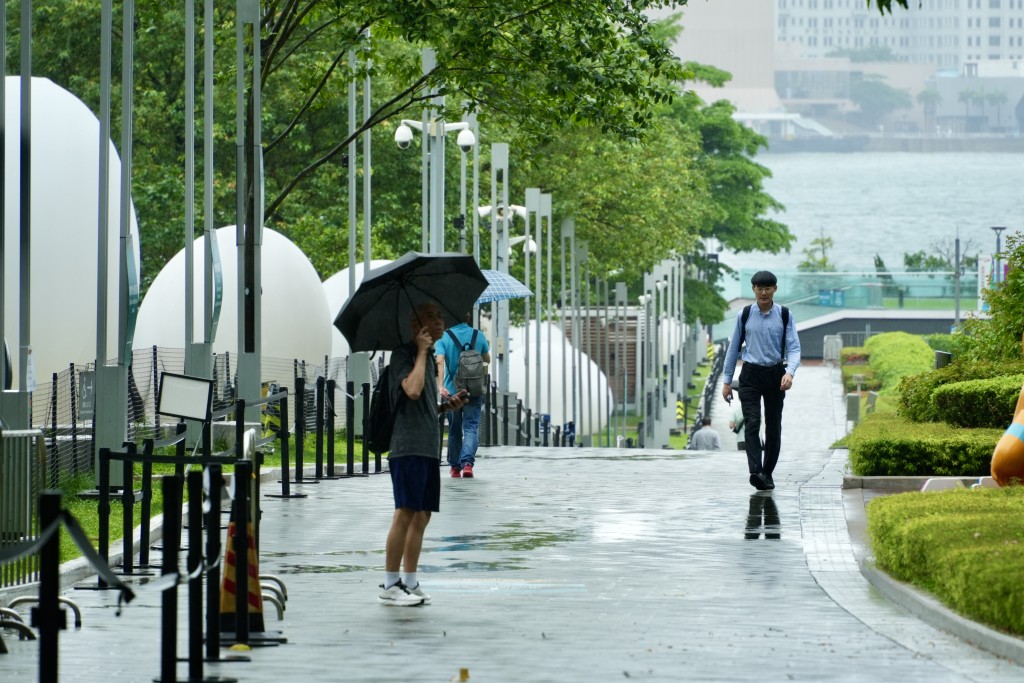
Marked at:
<point>336,291</point>
<point>594,380</point>
<point>65,246</point>
<point>295,319</point>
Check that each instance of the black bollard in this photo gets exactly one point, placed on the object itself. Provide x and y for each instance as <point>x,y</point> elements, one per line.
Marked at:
<point>492,415</point>
<point>213,560</point>
<point>300,427</point>
<point>104,509</point>
<point>329,412</point>
<point>240,509</point>
<point>195,581</point>
<point>519,422</point>
<point>128,511</point>
<point>171,487</point>
<point>48,616</point>
<point>320,387</point>
<point>350,430</point>
<point>504,419</point>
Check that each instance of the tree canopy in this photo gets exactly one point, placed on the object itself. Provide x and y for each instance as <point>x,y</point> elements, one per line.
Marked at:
<point>587,93</point>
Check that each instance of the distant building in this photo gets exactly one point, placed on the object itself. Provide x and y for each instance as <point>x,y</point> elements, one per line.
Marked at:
<point>951,34</point>
<point>960,61</point>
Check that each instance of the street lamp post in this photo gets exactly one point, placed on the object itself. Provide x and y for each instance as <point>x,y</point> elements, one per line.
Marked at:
<point>620,350</point>
<point>997,275</point>
<point>545,215</point>
<point>434,132</point>
<point>582,258</point>
<point>567,243</point>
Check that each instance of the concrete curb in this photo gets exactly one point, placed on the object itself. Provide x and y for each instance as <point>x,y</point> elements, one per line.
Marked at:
<point>897,484</point>
<point>920,603</point>
<point>928,609</point>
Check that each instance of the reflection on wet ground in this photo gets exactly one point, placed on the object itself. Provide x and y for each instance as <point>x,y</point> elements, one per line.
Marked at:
<point>762,517</point>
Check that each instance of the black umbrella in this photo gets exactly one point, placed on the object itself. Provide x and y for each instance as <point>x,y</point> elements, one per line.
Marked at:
<point>378,315</point>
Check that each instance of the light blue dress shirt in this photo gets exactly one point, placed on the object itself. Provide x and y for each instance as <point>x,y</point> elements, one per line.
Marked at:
<point>763,343</point>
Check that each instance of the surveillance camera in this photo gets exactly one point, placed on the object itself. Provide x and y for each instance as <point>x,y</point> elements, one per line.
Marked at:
<point>466,140</point>
<point>403,136</point>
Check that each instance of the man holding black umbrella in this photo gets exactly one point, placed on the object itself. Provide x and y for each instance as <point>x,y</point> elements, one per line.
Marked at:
<point>406,305</point>
<point>414,462</point>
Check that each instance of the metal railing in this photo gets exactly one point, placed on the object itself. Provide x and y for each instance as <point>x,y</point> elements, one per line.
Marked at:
<point>22,477</point>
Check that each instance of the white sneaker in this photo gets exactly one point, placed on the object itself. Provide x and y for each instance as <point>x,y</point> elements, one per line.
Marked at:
<point>418,591</point>
<point>398,596</point>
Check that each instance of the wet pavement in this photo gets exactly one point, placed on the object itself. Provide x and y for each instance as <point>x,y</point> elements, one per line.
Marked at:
<point>568,565</point>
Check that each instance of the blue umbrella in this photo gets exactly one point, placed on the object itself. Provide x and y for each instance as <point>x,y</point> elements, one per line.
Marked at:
<point>501,286</point>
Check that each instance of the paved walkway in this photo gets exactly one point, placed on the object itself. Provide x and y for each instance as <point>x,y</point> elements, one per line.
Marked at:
<point>573,565</point>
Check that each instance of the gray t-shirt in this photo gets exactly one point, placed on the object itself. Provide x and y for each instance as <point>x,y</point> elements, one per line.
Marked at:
<point>417,430</point>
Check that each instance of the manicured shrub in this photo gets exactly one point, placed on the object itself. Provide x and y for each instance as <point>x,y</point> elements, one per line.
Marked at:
<point>964,546</point>
<point>893,355</point>
<point>955,344</point>
<point>888,445</point>
<point>915,392</point>
<point>978,402</point>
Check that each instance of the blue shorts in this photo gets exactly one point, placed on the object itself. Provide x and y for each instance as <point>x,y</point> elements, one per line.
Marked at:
<point>416,482</point>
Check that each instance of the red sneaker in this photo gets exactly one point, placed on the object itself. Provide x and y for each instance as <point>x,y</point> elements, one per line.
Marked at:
<point>456,473</point>
<point>467,472</point>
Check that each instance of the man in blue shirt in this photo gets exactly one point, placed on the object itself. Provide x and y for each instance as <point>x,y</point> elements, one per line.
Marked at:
<point>463,425</point>
<point>770,357</point>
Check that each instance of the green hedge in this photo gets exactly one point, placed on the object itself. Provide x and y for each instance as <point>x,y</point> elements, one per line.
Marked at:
<point>888,445</point>
<point>915,393</point>
<point>893,355</point>
<point>964,546</point>
<point>978,402</point>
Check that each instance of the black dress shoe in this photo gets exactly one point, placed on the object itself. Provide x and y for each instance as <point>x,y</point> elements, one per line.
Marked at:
<point>758,482</point>
<point>768,482</point>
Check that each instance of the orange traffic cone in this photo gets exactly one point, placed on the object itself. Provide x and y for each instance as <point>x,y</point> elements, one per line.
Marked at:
<point>229,586</point>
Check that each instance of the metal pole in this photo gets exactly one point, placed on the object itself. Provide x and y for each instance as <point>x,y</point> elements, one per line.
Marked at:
<point>621,326</point>
<point>428,62</point>
<point>564,234</point>
<point>212,289</point>
<point>3,193</point>
<point>545,209</point>
<point>538,301</point>
<point>462,204</point>
<point>25,195</point>
<point>106,22</point>
<point>532,206</point>
<point>956,281</point>
<point>575,318</point>
<point>367,166</point>
<point>190,171</point>
<point>353,224</point>
<point>500,217</point>
<point>476,187</point>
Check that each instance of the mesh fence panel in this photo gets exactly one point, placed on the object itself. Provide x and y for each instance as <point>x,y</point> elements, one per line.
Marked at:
<point>64,407</point>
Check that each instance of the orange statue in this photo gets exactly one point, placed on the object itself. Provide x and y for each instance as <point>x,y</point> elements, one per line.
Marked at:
<point>1008,457</point>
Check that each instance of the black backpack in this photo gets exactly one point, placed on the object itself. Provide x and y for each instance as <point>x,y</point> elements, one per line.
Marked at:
<point>743,327</point>
<point>380,423</point>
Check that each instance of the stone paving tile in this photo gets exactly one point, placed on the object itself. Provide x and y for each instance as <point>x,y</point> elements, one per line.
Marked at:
<point>571,565</point>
